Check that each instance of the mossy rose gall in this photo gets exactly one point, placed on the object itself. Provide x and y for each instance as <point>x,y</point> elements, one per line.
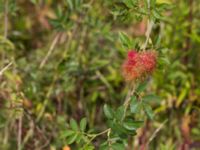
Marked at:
<point>139,64</point>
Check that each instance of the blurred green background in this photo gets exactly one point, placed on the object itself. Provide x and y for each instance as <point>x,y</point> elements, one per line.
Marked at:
<point>61,59</point>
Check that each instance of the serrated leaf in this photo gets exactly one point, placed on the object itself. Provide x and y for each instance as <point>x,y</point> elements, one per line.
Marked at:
<point>73,124</point>
<point>108,111</point>
<point>123,37</point>
<point>132,124</point>
<point>126,42</point>
<point>118,128</point>
<point>129,3</point>
<point>148,110</point>
<point>129,126</point>
<point>120,113</point>
<point>141,87</point>
<point>83,124</point>
<point>72,138</point>
<point>79,137</point>
<point>67,133</point>
<point>157,15</point>
<point>135,105</point>
<point>150,97</point>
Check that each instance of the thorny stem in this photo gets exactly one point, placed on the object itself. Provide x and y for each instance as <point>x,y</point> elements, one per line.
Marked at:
<point>128,97</point>
<point>149,27</point>
<point>148,32</point>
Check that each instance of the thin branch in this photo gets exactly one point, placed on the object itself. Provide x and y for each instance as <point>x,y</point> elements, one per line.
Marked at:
<point>149,27</point>
<point>156,132</point>
<point>98,134</point>
<point>5,68</point>
<point>147,34</point>
<point>19,137</point>
<point>128,97</point>
<point>130,93</point>
<point>55,40</point>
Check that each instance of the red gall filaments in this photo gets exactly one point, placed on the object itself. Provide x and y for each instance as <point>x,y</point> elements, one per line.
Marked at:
<point>139,64</point>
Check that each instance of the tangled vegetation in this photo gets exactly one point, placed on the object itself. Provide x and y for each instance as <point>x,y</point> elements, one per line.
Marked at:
<point>99,74</point>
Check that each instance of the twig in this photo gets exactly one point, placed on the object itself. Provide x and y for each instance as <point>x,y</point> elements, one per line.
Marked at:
<point>30,133</point>
<point>149,27</point>
<point>55,40</point>
<point>5,68</point>
<point>128,98</point>
<point>156,131</point>
<point>54,78</point>
<point>98,134</point>
<point>19,137</point>
<point>104,80</point>
<point>147,34</point>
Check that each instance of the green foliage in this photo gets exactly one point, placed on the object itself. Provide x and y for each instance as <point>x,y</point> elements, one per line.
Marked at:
<point>135,105</point>
<point>77,133</point>
<point>127,43</point>
<point>108,112</point>
<point>61,83</point>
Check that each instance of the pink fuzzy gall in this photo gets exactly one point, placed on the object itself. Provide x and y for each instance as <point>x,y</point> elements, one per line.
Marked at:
<point>138,64</point>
